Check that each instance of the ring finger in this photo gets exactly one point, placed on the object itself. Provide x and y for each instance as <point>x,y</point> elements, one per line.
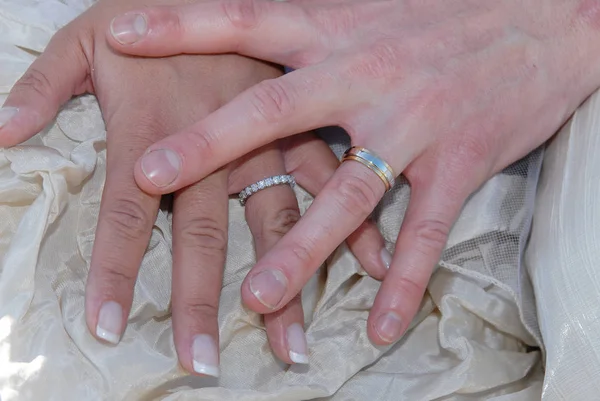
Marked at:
<point>270,214</point>
<point>343,205</point>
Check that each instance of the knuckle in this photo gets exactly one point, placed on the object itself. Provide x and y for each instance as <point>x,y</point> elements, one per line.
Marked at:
<point>470,156</point>
<point>200,140</point>
<point>113,271</point>
<point>303,253</point>
<point>242,14</point>
<point>148,128</point>
<point>37,81</point>
<point>128,219</point>
<point>272,100</point>
<point>336,23</point>
<point>383,60</point>
<point>204,234</point>
<point>199,309</point>
<point>472,148</point>
<point>430,235</point>
<point>282,222</point>
<point>356,196</point>
<point>409,287</point>
<point>171,20</point>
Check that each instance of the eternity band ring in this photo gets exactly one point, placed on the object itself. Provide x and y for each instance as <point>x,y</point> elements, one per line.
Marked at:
<point>373,162</point>
<point>264,184</point>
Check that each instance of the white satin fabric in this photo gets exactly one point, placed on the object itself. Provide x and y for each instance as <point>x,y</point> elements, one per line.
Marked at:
<point>563,257</point>
<point>471,340</point>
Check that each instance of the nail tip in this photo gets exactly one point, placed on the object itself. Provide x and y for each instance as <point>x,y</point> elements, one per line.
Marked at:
<point>386,258</point>
<point>206,370</point>
<point>298,358</point>
<point>107,336</point>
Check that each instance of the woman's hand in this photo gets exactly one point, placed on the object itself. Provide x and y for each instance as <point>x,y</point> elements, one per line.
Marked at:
<point>141,100</point>
<point>448,93</point>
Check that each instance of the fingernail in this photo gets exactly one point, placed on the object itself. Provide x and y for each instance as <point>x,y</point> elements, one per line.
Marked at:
<point>129,28</point>
<point>389,327</point>
<point>205,355</point>
<point>161,166</point>
<point>6,114</point>
<point>110,322</point>
<point>386,258</point>
<point>269,287</point>
<point>296,340</point>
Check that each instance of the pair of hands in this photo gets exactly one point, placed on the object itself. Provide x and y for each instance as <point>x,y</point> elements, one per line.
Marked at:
<point>142,100</point>
<point>447,93</point>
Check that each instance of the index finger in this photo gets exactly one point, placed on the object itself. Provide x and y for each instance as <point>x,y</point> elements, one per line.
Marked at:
<point>271,31</point>
<point>270,110</point>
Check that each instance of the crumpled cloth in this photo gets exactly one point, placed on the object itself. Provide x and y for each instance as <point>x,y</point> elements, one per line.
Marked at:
<point>476,336</point>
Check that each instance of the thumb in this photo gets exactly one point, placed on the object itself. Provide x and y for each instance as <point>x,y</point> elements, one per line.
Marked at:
<point>54,77</point>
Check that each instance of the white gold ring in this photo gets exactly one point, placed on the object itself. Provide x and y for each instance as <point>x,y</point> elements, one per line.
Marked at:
<point>264,184</point>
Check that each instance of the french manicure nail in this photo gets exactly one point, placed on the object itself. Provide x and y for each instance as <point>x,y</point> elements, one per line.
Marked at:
<point>110,322</point>
<point>386,258</point>
<point>297,347</point>
<point>389,327</point>
<point>161,166</point>
<point>269,287</point>
<point>128,28</point>
<point>6,114</point>
<point>205,355</point>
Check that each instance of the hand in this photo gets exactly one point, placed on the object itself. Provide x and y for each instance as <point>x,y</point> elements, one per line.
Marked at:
<point>140,101</point>
<point>448,93</point>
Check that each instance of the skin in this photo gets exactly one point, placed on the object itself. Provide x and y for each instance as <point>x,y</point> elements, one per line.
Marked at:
<point>448,93</point>
<point>142,100</point>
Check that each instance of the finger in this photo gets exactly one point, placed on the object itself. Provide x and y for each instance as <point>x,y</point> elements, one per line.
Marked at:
<point>124,227</point>
<point>429,217</point>
<point>342,206</point>
<point>56,75</point>
<point>285,330</point>
<point>272,31</point>
<point>313,163</point>
<point>199,249</point>
<point>368,245</point>
<point>270,214</point>
<point>263,113</point>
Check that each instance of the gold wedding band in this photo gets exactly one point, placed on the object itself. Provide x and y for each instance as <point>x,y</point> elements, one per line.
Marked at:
<point>375,163</point>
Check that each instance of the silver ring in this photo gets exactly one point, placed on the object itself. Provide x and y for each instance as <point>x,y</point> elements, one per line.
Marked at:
<point>264,184</point>
<point>373,162</point>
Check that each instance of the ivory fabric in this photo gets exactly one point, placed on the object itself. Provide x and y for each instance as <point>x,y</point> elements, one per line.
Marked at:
<point>475,337</point>
<point>563,257</point>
